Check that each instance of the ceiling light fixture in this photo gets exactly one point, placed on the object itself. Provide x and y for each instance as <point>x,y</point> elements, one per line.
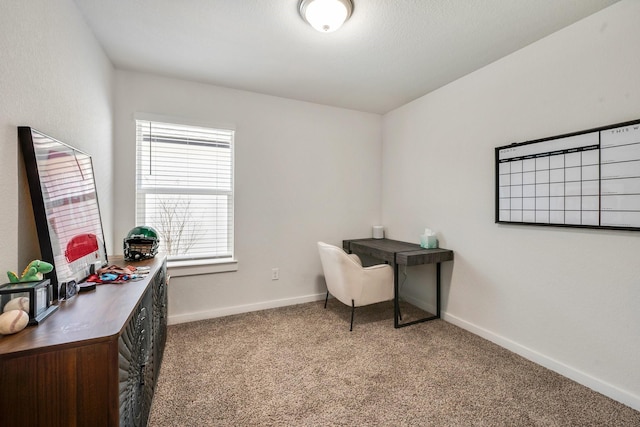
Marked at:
<point>326,15</point>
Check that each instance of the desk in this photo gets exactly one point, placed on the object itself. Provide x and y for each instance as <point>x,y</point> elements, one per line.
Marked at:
<point>397,253</point>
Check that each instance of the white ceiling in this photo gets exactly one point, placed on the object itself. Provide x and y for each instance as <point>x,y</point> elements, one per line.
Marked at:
<point>389,53</point>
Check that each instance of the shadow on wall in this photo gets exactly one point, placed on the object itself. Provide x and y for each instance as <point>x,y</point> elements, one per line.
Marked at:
<point>321,284</point>
<point>28,245</point>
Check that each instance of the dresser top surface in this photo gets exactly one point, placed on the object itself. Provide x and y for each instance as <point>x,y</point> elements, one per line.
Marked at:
<point>89,316</point>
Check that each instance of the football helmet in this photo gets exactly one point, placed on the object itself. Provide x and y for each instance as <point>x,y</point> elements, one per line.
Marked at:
<point>141,243</point>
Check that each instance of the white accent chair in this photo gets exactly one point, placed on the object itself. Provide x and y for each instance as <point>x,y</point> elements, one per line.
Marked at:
<point>351,283</point>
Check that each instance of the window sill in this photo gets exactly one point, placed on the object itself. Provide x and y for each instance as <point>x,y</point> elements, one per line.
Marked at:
<point>194,268</point>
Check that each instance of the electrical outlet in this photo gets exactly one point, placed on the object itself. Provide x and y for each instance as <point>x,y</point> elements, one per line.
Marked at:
<point>275,273</point>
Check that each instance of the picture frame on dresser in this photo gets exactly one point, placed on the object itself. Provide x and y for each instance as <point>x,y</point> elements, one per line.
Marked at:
<point>65,207</point>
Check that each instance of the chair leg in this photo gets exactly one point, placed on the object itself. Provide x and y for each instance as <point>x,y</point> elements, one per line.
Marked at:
<point>399,313</point>
<point>353,309</point>
<point>326,299</point>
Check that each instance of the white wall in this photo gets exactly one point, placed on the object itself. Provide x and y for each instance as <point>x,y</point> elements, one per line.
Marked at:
<point>54,77</point>
<point>566,298</point>
<point>304,172</point>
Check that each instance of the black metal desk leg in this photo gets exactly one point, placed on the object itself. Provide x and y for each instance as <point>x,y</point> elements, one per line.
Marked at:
<point>438,290</point>
<point>396,302</point>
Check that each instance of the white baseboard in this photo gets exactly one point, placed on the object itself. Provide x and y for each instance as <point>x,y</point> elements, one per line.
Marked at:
<point>576,375</point>
<point>228,311</point>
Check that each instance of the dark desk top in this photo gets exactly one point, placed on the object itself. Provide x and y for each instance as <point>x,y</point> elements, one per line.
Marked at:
<point>395,251</point>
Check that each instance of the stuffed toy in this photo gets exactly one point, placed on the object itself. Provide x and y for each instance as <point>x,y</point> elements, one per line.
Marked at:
<point>33,272</point>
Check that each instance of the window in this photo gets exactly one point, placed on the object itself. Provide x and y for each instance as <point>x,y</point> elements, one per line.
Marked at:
<point>184,188</point>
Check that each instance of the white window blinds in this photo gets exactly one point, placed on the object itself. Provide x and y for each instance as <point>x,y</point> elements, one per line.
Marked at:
<point>184,188</point>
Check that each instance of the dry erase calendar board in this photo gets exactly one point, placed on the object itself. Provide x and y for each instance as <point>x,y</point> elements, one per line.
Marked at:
<point>583,179</point>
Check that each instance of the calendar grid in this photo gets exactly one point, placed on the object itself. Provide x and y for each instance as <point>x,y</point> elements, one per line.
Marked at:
<point>588,179</point>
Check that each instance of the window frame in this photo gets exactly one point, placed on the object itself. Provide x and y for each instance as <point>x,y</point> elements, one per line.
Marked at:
<point>187,266</point>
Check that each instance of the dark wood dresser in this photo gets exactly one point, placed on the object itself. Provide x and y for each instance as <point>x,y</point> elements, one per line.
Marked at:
<point>94,362</point>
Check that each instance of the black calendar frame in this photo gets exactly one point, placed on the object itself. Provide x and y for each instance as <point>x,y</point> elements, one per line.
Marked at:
<point>599,130</point>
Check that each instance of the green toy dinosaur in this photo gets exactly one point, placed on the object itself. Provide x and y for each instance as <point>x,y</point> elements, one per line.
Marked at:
<point>32,273</point>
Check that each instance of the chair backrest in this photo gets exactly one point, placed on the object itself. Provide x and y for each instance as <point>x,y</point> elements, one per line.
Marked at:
<point>342,273</point>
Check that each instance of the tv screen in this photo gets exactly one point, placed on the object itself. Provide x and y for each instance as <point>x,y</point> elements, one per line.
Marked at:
<point>65,205</point>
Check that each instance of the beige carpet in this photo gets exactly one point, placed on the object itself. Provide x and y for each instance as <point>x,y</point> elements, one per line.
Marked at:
<point>300,366</point>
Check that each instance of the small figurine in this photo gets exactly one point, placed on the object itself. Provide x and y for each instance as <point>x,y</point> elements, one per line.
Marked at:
<point>32,273</point>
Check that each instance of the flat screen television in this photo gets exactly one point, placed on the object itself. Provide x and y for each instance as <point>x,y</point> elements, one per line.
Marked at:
<point>65,206</point>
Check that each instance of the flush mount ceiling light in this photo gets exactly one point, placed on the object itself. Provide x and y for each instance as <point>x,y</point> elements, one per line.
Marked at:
<point>326,15</point>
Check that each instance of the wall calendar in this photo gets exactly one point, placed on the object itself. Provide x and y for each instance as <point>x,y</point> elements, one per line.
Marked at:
<point>583,179</point>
